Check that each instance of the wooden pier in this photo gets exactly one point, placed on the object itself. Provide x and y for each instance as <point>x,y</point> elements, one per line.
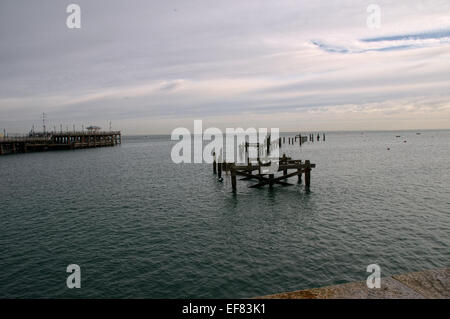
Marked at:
<point>255,169</point>
<point>299,168</point>
<point>59,141</point>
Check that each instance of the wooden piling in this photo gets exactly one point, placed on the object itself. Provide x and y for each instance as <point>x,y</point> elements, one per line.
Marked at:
<point>283,161</point>
<point>219,170</point>
<point>233,177</point>
<point>214,163</point>
<point>307,175</point>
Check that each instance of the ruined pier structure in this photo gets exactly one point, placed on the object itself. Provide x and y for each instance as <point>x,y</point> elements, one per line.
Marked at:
<point>255,169</point>
<point>59,141</point>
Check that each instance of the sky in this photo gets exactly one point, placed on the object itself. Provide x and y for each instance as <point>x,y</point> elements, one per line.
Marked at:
<point>149,67</point>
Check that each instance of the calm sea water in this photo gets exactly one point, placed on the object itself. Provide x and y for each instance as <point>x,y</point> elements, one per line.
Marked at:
<point>140,226</point>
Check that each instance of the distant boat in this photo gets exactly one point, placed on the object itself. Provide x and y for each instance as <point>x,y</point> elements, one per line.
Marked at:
<point>418,133</point>
<point>398,136</point>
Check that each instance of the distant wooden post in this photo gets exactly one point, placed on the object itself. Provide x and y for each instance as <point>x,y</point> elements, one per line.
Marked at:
<point>283,162</point>
<point>299,171</point>
<point>271,176</point>
<point>233,177</point>
<point>219,170</point>
<point>284,139</point>
<point>246,152</point>
<point>268,145</point>
<point>214,163</point>
<point>259,170</point>
<point>307,175</point>
<point>300,139</point>
<point>324,137</point>
<point>258,150</point>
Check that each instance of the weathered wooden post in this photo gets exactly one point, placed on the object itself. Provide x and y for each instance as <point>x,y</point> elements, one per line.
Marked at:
<point>284,139</point>
<point>307,175</point>
<point>324,137</point>
<point>233,177</point>
<point>299,171</point>
<point>284,162</point>
<point>300,139</point>
<point>259,171</point>
<point>219,170</point>
<point>268,145</point>
<point>214,163</point>
<point>271,176</point>
<point>246,152</point>
<point>258,150</point>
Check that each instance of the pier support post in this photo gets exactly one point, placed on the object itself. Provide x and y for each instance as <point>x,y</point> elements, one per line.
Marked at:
<point>271,176</point>
<point>307,175</point>
<point>233,177</point>
<point>283,162</point>
<point>214,163</point>
<point>219,170</point>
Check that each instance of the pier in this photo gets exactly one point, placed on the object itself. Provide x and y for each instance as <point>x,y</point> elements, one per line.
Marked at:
<point>428,284</point>
<point>259,171</point>
<point>59,141</point>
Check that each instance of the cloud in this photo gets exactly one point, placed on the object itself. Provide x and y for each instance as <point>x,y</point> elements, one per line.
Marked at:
<point>147,62</point>
<point>388,43</point>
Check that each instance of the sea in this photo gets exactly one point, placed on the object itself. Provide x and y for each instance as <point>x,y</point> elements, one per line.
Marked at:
<point>141,226</point>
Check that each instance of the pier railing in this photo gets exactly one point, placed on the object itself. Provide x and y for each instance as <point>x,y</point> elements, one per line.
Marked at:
<point>59,140</point>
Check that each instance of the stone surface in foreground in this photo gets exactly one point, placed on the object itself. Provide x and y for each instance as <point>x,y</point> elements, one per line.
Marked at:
<point>417,285</point>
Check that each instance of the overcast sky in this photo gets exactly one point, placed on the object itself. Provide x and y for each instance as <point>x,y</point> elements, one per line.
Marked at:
<point>152,66</point>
